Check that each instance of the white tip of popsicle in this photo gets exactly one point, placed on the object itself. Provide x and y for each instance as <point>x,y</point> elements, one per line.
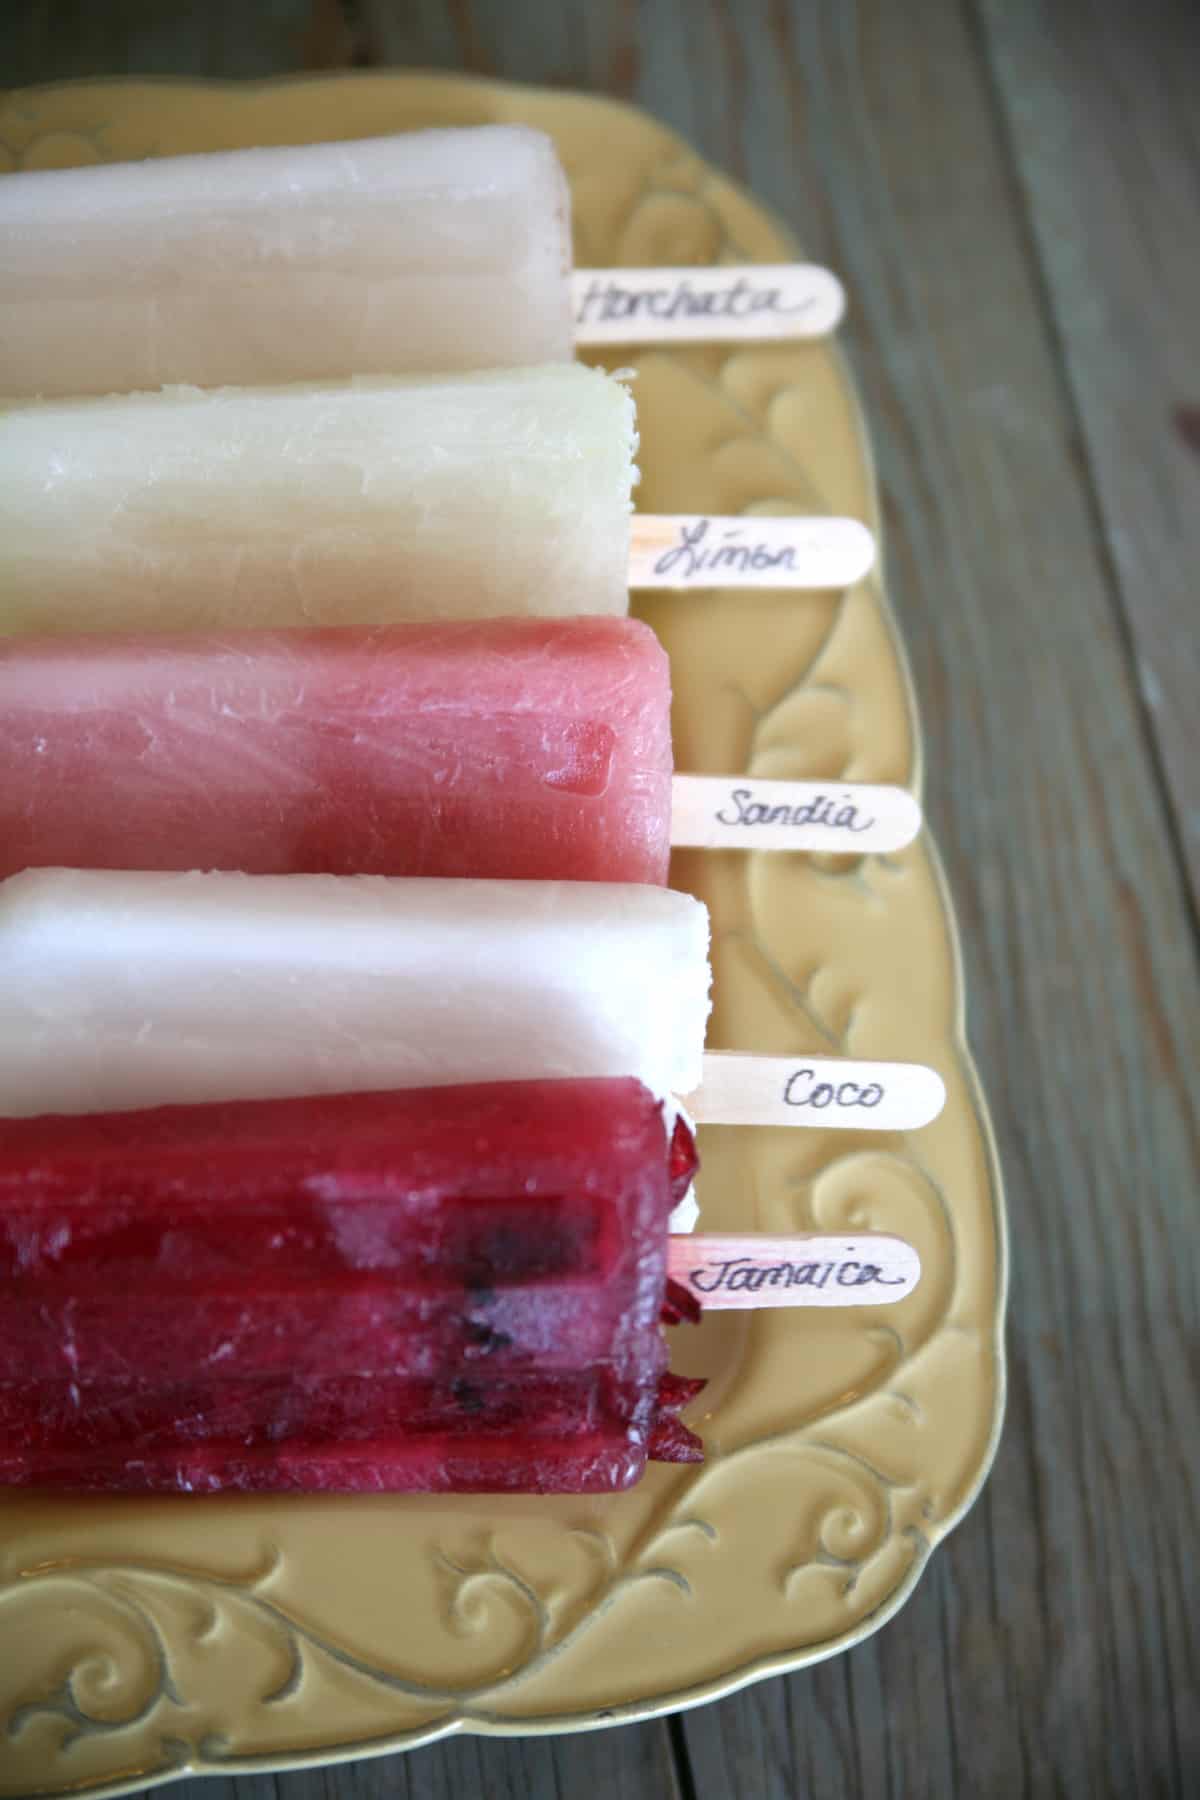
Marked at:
<point>697,550</point>
<point>728,1272</point>
<point>733,303</point>
<point>835,1093</point>
<point>724,812</point>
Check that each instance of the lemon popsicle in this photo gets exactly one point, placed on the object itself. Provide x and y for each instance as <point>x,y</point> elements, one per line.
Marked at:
<point>456,1289</point>
<point>506,492</point>
<point>522,748</point>
<point>425,250</point>
<point>123,991</point>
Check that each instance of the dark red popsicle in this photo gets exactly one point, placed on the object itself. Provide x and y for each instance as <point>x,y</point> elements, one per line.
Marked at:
<point>449,1289</point>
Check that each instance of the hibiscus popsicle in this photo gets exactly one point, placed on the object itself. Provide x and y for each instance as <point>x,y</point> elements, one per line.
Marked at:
<point>132,990</point>
<point>425,250</point>
<point>506,492</point>
<point>528,748</point>
<point>451,1289</point>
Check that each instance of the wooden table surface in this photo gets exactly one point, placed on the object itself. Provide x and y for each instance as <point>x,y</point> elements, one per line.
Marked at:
<point>1011,189</point>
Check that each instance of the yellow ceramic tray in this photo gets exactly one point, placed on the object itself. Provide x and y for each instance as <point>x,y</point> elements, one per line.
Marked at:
<point>141,1639</point>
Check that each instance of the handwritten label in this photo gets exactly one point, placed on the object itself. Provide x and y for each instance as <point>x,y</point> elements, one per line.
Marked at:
<point>804,1089</point>
<point>824,1093</point>
<point>711,812</point>
<point>705,305</point>
<point>679,550</point>
<point>742,1272</point>
<point>836,815</point>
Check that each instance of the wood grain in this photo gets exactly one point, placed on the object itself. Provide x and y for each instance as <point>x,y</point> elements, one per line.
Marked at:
<point>1100,108</point>
<point>628,1764</point>
<point>986,178</point>
<point>1059,1607</point>
<point>58,40</point>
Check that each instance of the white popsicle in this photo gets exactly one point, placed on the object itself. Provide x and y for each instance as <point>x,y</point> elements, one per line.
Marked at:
<point>427,250</point>
<point>136,990</point>
<point>506,492</point>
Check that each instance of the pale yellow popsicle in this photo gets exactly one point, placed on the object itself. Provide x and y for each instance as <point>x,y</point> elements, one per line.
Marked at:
<point>504,492</point>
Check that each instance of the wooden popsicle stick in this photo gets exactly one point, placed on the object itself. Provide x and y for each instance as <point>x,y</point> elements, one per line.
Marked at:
<point>729,1271</point>
<point>699,550</point>
<point>821,1092</point>
<point>723,812</point>
<point>749,302</point>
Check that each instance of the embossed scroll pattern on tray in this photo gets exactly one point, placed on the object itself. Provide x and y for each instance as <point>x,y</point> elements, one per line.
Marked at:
<point>144,1638</point>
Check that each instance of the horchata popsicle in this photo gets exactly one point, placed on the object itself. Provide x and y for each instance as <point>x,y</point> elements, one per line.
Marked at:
<point>527,748</point>
<point>507,492</point>
<point>132,990</point>
<point>449,1289</point>
<point>427,250</point>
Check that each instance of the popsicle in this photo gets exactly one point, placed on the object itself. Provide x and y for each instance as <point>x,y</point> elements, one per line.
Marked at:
<point>428,250</point>
<point>435,249</point>
<point>124,991</point>
<point>457,1288</point>
<point>514,748</point>
<point>506,492</point>
<point>523,748</point>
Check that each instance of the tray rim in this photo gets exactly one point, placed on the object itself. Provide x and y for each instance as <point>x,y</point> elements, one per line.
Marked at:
<point>780,1662</point>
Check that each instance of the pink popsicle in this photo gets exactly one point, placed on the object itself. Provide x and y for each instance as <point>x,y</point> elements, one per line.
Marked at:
<point>520,748</point>
<point>457,1289</point>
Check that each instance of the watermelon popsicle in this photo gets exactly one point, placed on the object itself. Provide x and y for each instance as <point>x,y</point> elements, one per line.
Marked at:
<point>124,991</point>
<point>507,492</point>
<point>451,1289</point>
<point>425,250</point>
<point>526,748</point>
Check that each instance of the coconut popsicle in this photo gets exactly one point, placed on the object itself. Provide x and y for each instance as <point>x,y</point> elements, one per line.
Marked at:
<point>454,1289</point>
<point>425,250</point>
<point>506,492</point>
<point>526,748</point>
<point>123,990</point>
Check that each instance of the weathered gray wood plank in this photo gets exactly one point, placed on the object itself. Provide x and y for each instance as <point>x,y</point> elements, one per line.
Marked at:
<point>1059,1608</point>
<point>1101,108</point>
<point>633,1763</point>
<point>58,40</point>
